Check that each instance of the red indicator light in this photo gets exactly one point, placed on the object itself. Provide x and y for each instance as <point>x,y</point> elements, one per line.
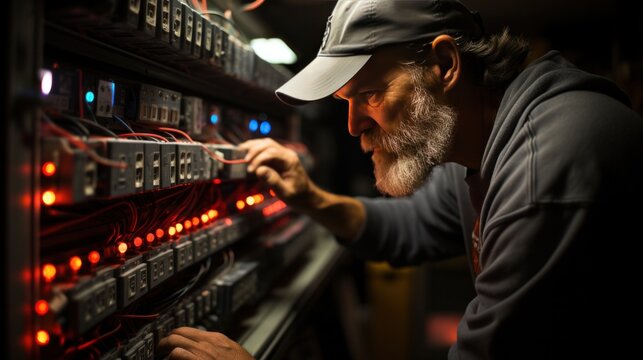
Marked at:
<point>48,272</point>
<point>42,307</point>
<point>150,238</point>
<point>48,197</point>
<point>75,263</point>
<point>48,168</point>
<point>122,247</point>
<point>138,241</point>
<point>42,337</point>
<point>93,257</point>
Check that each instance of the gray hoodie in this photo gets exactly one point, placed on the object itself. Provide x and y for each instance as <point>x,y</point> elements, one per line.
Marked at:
<point>560,203</point>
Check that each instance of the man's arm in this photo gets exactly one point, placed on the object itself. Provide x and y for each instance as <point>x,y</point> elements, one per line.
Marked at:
<point>402,231</point>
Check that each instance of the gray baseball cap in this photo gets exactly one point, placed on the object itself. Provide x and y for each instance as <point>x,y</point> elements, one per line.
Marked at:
<point>357,27</point>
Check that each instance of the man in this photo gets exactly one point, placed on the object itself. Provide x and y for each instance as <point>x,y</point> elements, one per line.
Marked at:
<point>540,184</point>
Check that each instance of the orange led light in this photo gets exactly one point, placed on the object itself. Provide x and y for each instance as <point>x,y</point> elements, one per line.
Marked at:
<point>122,247</point>
<point>178,227</point>
<point>212,214</point>
<point>160,233</point>
<point>273,208</point>
<point>240,204</point>
<point>48,197</point>
<point>48,272</point>
<point>205,218</point>
<point>187,224</point>
<point>42,307</point>
<point>48,168</point>
<point>272,193</point>
<point>93,257</point>
<point>138,241</point>
<point>258,198</point>
<point>171,231</point>
<point>195,221</point>
<point>42,337</point>
<point>250,200</point>
<point>75,263</point>
<point>150,237</point>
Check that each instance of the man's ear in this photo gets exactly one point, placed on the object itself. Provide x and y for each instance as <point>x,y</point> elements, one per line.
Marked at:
<point>448,61</point>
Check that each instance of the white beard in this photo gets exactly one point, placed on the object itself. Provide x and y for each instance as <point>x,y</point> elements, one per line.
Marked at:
<point>407,155</point>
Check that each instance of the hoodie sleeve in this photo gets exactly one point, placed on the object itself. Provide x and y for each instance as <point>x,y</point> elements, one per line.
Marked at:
<point>410,230</point>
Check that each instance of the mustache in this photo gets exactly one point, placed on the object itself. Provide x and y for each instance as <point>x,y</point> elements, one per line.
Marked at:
<point>372,139</point>
<point>395,142</point>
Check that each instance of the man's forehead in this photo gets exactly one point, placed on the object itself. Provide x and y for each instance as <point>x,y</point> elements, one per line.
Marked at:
<point>373,71</point>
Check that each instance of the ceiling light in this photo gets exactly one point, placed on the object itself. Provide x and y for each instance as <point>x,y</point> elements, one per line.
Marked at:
<point>273,50</point>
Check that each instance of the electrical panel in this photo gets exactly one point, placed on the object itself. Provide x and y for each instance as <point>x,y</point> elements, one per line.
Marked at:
<point>148,219</point>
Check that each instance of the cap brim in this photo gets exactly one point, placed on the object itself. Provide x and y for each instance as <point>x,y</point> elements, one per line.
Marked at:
<point>322,77</point>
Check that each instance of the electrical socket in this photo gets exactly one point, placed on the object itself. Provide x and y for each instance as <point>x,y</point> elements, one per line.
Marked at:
<point>92,299</point>
<point>201,244</point>
<point>183,253</point>
<point>113,181</point>
<point>168,164</point>
<point>187,31</point>
<point>198,36</point>
<point>160,264</point>
<point>75,179</point>
<point>152,165</point>
<point>131,277</point>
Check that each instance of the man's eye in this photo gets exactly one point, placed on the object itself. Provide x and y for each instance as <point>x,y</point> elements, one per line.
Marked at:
<point>373,97</point>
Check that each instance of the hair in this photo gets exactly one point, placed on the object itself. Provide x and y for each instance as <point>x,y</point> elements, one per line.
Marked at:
<point>497,59</point>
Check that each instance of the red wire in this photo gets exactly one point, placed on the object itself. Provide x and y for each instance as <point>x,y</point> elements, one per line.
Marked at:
<point>50,230</point>
<point>81,145</point>
<point>93,341</point>
<point>253,5</point>
<point>213,155</point>
<point>143,134</point>
<point>176,131</point>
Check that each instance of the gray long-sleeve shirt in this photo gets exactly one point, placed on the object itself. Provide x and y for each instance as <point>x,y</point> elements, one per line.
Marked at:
<point>559,221</point>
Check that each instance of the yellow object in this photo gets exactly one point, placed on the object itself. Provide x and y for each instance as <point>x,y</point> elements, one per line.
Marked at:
<point>394,295</point>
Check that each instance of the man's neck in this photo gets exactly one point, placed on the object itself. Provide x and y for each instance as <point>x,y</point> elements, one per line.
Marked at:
<point>477,108</point>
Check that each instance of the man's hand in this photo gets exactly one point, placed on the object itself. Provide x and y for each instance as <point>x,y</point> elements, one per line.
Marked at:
<point>191,343</point>
<point>280,168</point>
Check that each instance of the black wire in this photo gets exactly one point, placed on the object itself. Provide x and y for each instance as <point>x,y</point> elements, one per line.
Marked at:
<point>94,125</point>
<point>65,121</point>
<point>91,111</point>
<point>123,123</point>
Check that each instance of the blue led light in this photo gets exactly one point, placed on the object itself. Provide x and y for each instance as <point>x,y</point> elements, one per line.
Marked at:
<point>253,125</point>
<point>89,96</point>
<point>214,119</point>
<point>113,86</point>
<point>265,128</point>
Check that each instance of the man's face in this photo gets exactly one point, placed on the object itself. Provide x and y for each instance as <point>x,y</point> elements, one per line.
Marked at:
<point>399,121</point>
